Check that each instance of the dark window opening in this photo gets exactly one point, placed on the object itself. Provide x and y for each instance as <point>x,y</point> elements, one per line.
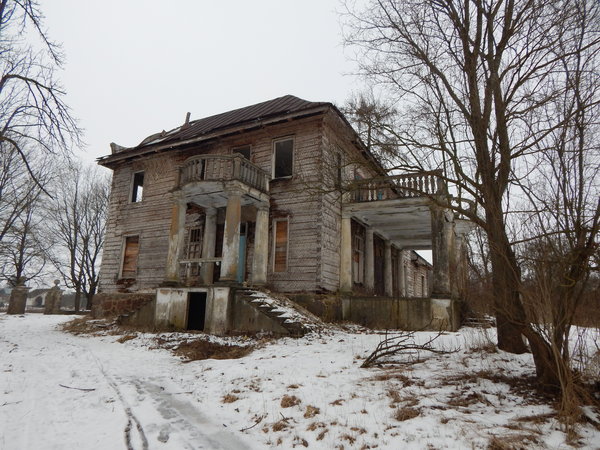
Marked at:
<point>196,311</point>
<point>284,158</point>
<point>137,190</point>
<point>130,256</point>
<point>244,151</point>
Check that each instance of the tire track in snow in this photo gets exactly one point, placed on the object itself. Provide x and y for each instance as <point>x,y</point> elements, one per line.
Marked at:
<point>131,418</point>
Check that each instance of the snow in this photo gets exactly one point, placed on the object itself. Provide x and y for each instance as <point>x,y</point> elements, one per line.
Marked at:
<point>461,399</point>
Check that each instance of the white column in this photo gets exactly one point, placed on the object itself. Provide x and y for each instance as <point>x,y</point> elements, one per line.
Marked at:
<point>387,269</point>
<point>208,244</point>
<point>346,255</point>
<point>176,238</point>
<point>369,260</point>
<point>231,236</point>
<point>261,246</point>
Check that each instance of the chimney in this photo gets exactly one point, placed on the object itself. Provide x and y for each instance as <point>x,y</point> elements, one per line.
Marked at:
<point>186,124</point>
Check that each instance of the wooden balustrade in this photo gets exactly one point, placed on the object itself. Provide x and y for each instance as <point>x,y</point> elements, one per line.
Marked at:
<point>224,168</point>
<point>398,186</point>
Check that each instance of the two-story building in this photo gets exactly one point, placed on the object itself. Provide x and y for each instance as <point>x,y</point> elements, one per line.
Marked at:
<point>279,195</point>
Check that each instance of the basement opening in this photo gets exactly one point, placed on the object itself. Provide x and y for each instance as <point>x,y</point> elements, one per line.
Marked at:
<point>196,311</point>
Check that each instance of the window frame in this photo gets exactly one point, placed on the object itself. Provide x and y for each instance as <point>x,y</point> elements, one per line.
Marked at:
<point>123,252</point>
<point>133,187</point>
<point>274,157</point>
<point>287,244</point>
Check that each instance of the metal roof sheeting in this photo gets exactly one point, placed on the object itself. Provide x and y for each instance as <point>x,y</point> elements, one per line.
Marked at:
<point>254,113</point>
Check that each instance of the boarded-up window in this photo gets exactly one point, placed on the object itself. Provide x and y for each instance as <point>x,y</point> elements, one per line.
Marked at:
<point>283,158</point>
<point>281,245</point>
<point>137,188</point>
<point>194,250</point>
<point>130,256</point>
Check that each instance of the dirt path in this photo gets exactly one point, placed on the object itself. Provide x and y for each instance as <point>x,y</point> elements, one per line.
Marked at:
<point>60,391</point>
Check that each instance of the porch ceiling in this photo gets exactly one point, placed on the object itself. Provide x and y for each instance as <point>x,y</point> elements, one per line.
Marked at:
<point>406,222</point>
<point>215,193</point>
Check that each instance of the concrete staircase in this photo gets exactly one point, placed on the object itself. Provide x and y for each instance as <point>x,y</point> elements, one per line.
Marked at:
<point>283,311</point>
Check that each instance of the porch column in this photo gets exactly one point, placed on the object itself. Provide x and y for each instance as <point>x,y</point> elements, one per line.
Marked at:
<point>208,244</point>
<point>369,260</point>
<point>231,236</point>
<point>261,246</point>
<point>387,269</point>
<point>401,287</point>
<point>176,238</point>
<point>346,255</point>
<point>442,232</point>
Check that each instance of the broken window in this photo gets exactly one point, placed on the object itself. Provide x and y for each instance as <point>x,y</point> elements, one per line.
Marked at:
<point>243,150</point>
<point>194,249</point>
<point>130,257</point>
<point>283,156</point>
<point>137,188</point>
<point>281,245</point>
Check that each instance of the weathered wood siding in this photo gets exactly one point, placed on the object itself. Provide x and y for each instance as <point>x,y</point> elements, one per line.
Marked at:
<point>150,219</point>
<point>294,198</point>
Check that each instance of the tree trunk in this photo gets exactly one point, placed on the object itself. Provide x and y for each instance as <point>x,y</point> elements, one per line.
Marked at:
<point>77,299</point>
<point>506,280</point>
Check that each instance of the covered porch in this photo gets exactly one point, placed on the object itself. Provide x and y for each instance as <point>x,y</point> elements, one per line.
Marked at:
<point>404,214</point>
<point>218,200</point>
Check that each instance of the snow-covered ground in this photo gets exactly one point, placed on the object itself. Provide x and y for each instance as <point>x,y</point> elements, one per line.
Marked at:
<point>60,391</point>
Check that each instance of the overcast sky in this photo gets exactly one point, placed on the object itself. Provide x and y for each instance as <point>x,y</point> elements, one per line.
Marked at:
<point>135,67</point>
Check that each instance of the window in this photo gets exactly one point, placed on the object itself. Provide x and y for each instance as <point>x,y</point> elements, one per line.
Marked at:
<point>194,249</point>
<point>423,291</point>
<point>130,256</point>
<point>280,245</point>
<point>283,158</point>
<point>243,150</point>
<point>137,187</point>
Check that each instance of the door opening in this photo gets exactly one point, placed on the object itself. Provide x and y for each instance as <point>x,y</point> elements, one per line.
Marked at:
<point>196,311</point>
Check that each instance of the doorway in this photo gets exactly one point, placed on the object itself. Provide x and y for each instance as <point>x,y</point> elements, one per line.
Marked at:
<point>196,311</point>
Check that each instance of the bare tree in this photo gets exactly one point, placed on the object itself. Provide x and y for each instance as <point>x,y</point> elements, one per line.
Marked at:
<point>33,113</point>
<point>77,218</point>
<point>471,78</point>
<point>23,244</point>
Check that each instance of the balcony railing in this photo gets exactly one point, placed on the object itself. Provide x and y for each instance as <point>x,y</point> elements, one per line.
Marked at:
<point>398,186</point>
<point>224,168</point>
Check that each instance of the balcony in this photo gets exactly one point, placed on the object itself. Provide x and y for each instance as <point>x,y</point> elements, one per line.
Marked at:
<point>400,186</point>
<point>398,207</point>
<point>206,179</point>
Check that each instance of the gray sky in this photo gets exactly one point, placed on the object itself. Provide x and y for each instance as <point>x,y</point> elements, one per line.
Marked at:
<point>136,67</point>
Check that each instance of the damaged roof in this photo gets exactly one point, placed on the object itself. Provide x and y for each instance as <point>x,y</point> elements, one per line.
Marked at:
<point>248,115</point>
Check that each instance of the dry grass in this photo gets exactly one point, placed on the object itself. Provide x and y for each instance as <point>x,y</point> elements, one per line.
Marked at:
<point>199,349</point>
<point>287,401</point>
<point>406,413</point>
<point>280,426</point>
<point>512,442</point>
<point>337,402</point>
<point>126,338</point>
<point>88,325</point>
<point>229,398</point>
<point>311,411</point>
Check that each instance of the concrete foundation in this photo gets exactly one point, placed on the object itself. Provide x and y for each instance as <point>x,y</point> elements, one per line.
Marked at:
<point>401,313</point>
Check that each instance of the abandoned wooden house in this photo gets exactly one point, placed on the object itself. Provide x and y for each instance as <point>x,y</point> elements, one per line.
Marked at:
<point>280,195</point>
